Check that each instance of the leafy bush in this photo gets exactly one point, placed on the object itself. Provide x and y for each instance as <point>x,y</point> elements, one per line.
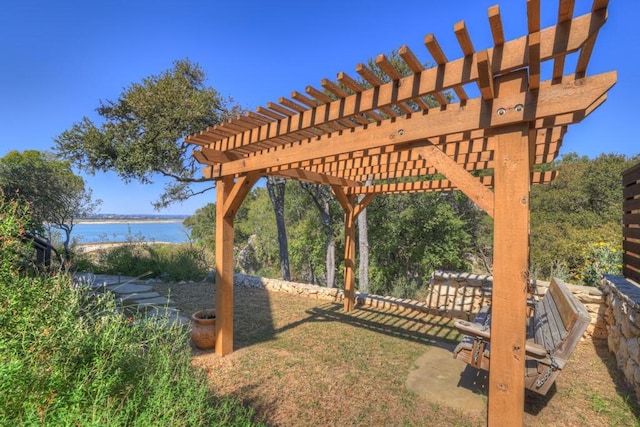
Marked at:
<point>135,258</point>
<point>180,262</point>
<point>68,358</point>
<point>599,258</point>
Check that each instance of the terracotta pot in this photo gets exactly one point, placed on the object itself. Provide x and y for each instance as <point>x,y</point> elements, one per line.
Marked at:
<point>203,329</point>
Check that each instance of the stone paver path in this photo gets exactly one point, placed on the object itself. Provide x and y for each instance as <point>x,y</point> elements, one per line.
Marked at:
<point>134,294</point>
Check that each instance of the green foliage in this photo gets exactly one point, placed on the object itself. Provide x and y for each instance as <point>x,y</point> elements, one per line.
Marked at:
<point>170,262</point>
<point>410,237</point>
<point>202,226</point>
<point>56,195</point>
<point>68,358</point>
<point>598,259</point>
<point>581,208</point>
<point>259,222</point>
<point>141,134</point>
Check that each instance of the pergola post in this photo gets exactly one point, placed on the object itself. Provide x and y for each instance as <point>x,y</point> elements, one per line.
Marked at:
<point>351,211</point>
<point>224,270</point>
<point>349,259</point>
<point>229,197</point>
<point>510,276</point>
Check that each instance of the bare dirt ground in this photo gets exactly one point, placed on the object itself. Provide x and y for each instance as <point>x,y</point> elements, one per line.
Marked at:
<point>304,362</point>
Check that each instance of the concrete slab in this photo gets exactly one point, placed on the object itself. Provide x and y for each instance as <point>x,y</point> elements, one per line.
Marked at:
<point>98,280</point>
<point>138,296</point>
<point>439,377</point>
<point>158,301</point>
<point>129,288</point>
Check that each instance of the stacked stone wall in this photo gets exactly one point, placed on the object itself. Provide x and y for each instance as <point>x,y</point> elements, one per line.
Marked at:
<point>622,318</point>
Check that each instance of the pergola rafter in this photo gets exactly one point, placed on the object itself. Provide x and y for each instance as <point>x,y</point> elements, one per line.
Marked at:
<point>368,137</point>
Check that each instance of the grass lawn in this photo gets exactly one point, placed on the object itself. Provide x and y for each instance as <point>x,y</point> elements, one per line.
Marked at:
<point>301,361</point>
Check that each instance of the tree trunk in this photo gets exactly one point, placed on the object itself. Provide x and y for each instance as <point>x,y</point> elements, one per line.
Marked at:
<point>321,197</point>
<point>331,242</point>
<point>275,187</point>
<point>67,239</point>
<point>363,251</point>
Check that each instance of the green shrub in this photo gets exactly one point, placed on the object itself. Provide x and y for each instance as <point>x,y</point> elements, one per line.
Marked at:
<point>171,262</point>
<point>599,258</point>
<point>180,262</point>
<point>130,259</point>
<point>68,358</point>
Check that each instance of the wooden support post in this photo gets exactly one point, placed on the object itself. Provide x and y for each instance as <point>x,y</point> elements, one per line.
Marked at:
<point>351,212</point>
<point>349,259</point>
<point>229,197</point>
<point>510,276</point>
<point>224,270</point>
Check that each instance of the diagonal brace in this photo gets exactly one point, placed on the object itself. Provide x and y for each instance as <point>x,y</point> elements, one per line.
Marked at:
<point>462,179</point>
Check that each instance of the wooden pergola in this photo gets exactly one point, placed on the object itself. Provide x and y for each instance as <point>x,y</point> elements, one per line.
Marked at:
<point>384,138</point>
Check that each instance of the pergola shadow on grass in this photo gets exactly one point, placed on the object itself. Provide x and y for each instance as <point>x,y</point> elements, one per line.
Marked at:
<point>367,138</point>
<point>302,361</point>
<point>413,326</point>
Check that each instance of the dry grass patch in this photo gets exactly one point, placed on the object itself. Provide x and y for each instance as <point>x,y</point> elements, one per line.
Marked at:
<point>301,361</point>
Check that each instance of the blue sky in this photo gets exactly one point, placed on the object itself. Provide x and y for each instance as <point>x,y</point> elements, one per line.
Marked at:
<point>58,59</point>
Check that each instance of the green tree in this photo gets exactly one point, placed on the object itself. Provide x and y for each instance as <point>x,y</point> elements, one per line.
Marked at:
<point>141,134</point>
<point>580,208</point>
<point>57,197</point>
<point>202,226</point>
<point>411,236</point>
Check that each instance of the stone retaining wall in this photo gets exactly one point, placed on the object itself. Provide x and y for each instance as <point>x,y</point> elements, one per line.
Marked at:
<point>622,317</point>
<point>456,295</point>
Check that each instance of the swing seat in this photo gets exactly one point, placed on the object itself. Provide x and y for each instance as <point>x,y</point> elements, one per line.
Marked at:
<point>554,329</point>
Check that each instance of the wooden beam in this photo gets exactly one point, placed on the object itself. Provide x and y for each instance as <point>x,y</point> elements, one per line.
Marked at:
<point>224,270</point>
<point>238,192</point>
<point>565,13</point>
<point>533,16</point>
<point>209,156</point>
<point>437,185</point>
<point>587,49</point>
<point>314,177</point>
<point>485,76</point>
<point>464,40</point>
<point>495,22</point>
<point>398,161</point>
<point>572,34</point>
<point>438,55</point>
<point>550,101</point>
<point>534,60</point>
<point>410,59</point>
<point>361,205</point>
<point>470,185</point>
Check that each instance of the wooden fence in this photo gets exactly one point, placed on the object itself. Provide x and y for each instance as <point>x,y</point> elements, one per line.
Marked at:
<point>631,223</point>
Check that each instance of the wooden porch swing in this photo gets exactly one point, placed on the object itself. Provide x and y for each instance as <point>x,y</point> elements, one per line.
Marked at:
<point>384,138</point>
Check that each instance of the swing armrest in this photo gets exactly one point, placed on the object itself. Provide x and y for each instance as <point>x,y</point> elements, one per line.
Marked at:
<point>536,350</point>
<point>475,330</point>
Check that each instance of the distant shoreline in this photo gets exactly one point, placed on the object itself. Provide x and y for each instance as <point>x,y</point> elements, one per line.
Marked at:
<point>129,221</point>
<point>91,247</point>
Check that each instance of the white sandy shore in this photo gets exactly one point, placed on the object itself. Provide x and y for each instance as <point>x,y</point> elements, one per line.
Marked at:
<point>91,247</point>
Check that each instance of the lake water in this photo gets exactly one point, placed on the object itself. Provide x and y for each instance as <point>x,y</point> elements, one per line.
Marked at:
<point>172,232</point>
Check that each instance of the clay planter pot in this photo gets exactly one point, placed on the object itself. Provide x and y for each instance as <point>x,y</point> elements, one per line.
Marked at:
<point>203,329</point>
